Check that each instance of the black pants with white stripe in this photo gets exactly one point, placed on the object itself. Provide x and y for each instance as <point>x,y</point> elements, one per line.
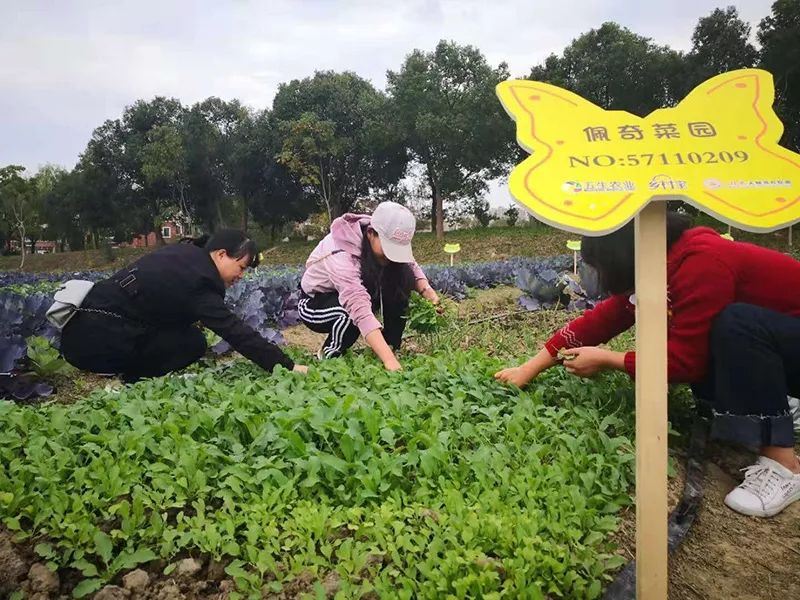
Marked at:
<point>324,314</point>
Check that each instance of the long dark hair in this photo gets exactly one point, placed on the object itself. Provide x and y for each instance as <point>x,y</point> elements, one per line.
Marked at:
<point>235,243</point>
<point>395,279</point>
<point>613,255</point>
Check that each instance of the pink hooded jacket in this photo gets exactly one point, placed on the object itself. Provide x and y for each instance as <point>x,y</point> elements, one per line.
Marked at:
<point>335,266</point>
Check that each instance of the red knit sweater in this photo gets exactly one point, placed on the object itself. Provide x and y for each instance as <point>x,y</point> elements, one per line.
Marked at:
<point>705,273</point>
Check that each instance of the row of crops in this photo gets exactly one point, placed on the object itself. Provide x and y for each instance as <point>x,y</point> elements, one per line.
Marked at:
<point>267,299</point>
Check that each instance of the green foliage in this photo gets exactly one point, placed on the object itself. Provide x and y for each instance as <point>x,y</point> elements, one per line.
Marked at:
<point>211,337</point>
<point>423,316</point>
<point>512,215</point>
<point>780,54</point>
<point>46,360</point>
<point>445,102</point>
<point>720,43</point>
<point>18,206</point>
<point>339,137</point>
<point>434,481</point>
<point>617,69</point>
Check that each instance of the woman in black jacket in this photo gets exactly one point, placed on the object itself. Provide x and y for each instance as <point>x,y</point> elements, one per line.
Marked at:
<point>141,321</point>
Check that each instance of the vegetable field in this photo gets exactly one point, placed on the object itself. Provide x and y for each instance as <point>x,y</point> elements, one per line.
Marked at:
<point>352,482</point>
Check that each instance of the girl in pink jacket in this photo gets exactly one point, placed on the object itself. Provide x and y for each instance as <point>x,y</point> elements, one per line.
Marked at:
<point>363,265</point>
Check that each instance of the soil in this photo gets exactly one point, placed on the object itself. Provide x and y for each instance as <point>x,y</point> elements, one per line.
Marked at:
<point>727,555</point>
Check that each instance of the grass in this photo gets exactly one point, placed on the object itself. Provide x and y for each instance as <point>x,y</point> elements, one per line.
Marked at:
<point>487,244</point>
<point>82,260</point>
<point>482,244</point>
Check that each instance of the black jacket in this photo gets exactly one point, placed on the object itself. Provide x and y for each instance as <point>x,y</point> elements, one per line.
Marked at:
<point>174,287</point>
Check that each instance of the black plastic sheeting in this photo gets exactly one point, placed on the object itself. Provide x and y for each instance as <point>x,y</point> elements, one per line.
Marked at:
<point>680,519</point>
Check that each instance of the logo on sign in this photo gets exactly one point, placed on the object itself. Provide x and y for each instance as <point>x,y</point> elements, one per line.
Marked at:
<point>715,184</point>
<point>574,187</point>
<point>665,182</point>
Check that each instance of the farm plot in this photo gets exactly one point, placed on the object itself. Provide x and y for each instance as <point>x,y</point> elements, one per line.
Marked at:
<point>432,482</point>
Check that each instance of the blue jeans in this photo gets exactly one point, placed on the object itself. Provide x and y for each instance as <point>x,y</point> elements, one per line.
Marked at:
<point>754,364</point>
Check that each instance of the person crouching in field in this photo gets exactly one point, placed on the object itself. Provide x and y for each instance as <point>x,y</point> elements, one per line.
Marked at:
<point>365,264</point>
<point>141,321</point>
<point>733,333</point>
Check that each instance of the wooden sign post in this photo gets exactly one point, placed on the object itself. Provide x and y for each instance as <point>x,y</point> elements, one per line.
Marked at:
<point>651,401</point>
<point>575,246</point>
<point>591,171</point>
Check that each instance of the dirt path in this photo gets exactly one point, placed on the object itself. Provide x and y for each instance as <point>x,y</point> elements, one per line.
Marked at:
<point>730,556</point>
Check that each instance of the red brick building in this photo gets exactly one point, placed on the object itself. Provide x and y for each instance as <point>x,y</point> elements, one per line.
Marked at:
<point>171,231</point>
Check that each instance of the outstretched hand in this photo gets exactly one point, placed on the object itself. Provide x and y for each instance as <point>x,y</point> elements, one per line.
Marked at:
<point>588,361</point>
<point>513,376</point>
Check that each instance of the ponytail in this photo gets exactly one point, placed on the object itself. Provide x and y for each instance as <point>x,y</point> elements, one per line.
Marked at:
<point>235,243</point>
<point>198,241</point>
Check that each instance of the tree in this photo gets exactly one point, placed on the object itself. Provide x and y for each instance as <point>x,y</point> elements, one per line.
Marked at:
<point>60,208</point>
<point>446,105</point>
<point>617,69</point>
<point>333,132</point>
<point>480,210</point>
<point>17,204</point>
<point>310,150</point>
<point>107,183</point>
<point>164,166</point>
<point>778,35</point>
<point>44,181</point>
<point>142,125</point>
<point>267,189</point>
<point>210,141</point>
<point>512,214</point>
<point>720,43</point>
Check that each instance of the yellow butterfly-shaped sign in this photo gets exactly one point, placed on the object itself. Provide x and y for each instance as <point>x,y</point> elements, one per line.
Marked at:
<point>591,170</point>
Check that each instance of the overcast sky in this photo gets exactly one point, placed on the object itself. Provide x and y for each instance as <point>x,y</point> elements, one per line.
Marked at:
<point>65,67</point>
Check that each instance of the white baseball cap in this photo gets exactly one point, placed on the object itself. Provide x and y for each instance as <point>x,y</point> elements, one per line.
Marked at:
<point>395,226</point>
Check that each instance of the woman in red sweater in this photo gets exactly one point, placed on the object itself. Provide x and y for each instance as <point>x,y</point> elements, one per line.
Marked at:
<point>733,333</point>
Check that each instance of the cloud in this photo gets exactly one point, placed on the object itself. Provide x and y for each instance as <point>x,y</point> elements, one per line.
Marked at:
<point>73,65</point>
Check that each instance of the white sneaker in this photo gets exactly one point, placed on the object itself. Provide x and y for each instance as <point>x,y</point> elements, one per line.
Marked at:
<point>767,489</point>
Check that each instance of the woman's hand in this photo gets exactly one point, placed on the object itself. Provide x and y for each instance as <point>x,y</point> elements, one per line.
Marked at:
<point>590,360</point>
<point>431,295</point>
<point>425,290</point>
<point>377,342</point>
<point>518,376</point>
<point>524,374</point>
<point>393,365</point>
<point>302,369</point>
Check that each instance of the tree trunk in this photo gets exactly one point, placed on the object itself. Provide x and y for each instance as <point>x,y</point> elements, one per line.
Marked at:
<point>22,245</point>
<point>159,236</point>
<point>325,192</point>
<point>220,220</point>
<point>437,206</point>
<point>245,214</point>
<point>439,203</point>
<point>433,211</point>
<point>184,209</point>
